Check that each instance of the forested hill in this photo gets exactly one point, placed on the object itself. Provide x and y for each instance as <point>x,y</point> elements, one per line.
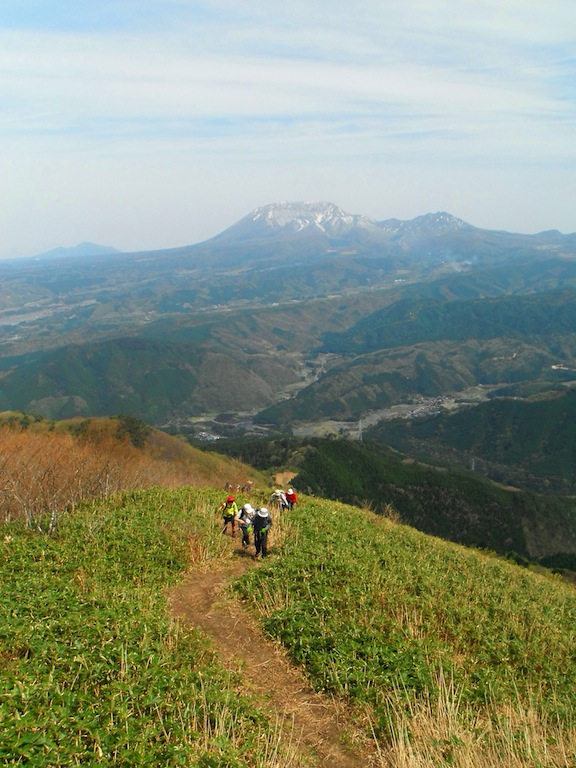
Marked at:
<point>409,322</point>
<point>530,443</point>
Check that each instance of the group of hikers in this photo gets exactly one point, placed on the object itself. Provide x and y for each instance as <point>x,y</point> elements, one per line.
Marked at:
<point>283,500</point>
<point>258,521</point>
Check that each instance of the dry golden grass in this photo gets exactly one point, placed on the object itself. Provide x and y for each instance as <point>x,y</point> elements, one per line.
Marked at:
<point>444,730</point>
<point>47,469</point>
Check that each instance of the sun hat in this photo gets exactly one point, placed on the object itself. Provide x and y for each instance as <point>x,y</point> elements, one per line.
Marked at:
<point>262,512</point>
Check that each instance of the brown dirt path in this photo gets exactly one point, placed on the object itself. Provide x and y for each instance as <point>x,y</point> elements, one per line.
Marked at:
<point>315,723</point>
<point>284,478</point>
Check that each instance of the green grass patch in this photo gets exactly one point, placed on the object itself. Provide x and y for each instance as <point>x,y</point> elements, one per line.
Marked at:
<point>370,608</point>
<point>449,656</point>
<point>94,671</point>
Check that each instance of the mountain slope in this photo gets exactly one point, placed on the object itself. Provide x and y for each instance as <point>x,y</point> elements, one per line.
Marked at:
<point>301,219</point>
<point>385,618</point>
<point>432,348</point>
<point>81,251</point>
<point>423,645</point>
<point>409,322</point>
<point>530,443</point>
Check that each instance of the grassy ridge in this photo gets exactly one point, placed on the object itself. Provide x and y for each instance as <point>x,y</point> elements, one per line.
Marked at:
<point>448,656</point>
<point>93,670</point>
<point>383,616</point>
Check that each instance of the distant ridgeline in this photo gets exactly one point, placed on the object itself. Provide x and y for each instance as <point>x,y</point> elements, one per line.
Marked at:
<point>410,321</point>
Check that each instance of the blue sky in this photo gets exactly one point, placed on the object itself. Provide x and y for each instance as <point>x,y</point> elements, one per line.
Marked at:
<point>157,123</point>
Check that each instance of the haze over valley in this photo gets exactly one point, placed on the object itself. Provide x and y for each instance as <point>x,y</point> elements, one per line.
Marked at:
<point>298,314</point>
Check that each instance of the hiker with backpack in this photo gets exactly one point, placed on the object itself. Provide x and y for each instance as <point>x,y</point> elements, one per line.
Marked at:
<point>278,498</point>
<point>261,523</point>
<point>244,520</point>
<point>229,511</point>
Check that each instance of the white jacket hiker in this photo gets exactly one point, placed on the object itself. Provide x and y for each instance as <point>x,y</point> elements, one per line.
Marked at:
<point>279,499</point>
<point>244,518</point>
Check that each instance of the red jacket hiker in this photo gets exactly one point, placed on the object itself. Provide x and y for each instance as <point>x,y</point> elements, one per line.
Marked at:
<point>291,498</point>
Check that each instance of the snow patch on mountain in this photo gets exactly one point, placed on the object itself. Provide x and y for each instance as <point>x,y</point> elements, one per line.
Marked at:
<point>295,217</point>
<point>428,224</point>
<point>309,217</point>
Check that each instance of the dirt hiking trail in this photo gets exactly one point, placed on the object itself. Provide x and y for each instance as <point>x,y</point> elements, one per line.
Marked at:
<point>311,722</point>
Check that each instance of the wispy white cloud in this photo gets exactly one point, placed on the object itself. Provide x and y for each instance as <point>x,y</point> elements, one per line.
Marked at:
<point>441,87</point>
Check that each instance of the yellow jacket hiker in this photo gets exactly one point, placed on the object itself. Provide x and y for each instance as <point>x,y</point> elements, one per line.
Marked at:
<point>229,510</point>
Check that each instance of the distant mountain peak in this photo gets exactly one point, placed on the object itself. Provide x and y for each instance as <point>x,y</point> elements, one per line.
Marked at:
<point>290,218</point>
<point>301,215</point>
<point>441,221</point>
<point>430,223</point>
<point>80,250</point>
<point>293,218</point>
<point>315,220</point>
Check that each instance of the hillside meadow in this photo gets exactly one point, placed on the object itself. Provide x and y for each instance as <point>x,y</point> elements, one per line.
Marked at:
<point>440,655</point>
<point>448,655</point>
<point>94,670</point>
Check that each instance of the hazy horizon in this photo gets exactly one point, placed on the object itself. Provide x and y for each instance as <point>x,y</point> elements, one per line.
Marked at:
<point>159,123</point>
